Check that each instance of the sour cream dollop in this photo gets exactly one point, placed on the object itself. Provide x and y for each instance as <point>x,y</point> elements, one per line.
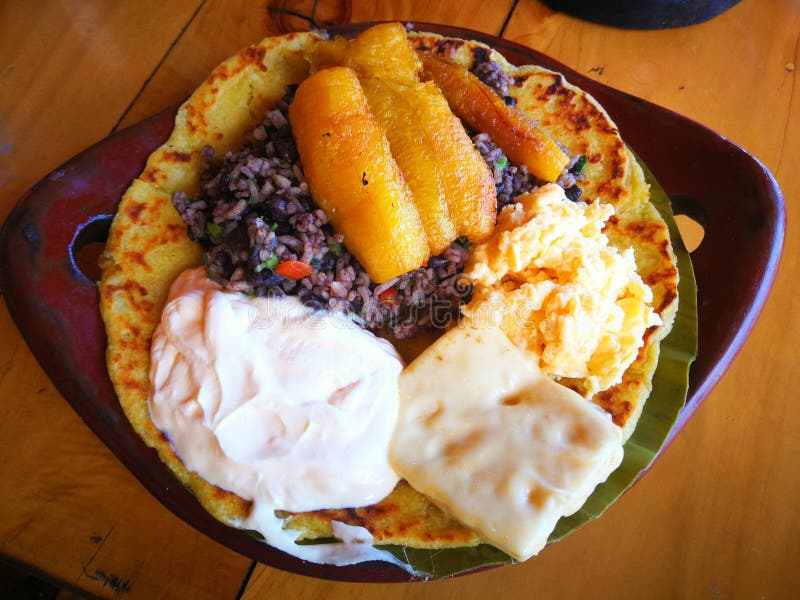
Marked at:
<point>285,406</point>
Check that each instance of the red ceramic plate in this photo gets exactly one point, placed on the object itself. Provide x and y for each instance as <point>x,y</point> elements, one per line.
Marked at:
<point>56,306</point>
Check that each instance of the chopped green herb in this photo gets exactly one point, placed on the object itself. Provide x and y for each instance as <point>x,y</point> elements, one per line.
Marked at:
<point>502,163</point>
<point>464,243</point>
<point>270,263</point>
<point>579,165</point>
<point>335,248</point>
<point>273,227</point>
<point>214,230</point>
<point>249,293</point>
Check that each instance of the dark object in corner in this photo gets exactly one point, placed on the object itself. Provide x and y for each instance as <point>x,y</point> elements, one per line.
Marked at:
<point>644,14</point>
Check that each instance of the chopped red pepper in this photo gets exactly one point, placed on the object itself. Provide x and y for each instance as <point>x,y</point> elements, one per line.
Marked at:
<point>293,269</point>
<point>388,297</point>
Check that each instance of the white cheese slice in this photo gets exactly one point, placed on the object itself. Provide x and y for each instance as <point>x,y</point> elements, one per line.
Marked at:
<point>497,444</point>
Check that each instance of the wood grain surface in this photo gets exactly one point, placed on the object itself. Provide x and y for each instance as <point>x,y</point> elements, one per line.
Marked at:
<point>717,517</point>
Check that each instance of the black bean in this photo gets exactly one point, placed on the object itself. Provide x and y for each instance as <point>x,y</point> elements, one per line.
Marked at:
<point>278,208</point>
<point>290,90</point>
<point>434,262</point>
<point>574,193</point>
<point>224,264</point>
<point>312,300</point>
<point>265,278</point>
<point>273,291</point>
<point>315,303</point>
<point>283,228</point>
<point>305,202</point>
<point>326,263</point>
<point>238,239</point>
<point>286,149</point>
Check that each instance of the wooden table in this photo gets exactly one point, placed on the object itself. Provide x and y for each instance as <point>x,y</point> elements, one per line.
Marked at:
<point>717,517</point>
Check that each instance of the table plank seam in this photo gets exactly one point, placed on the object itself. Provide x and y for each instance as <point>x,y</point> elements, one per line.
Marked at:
<point>246,580</point>
<point>158,66</point>
<point>508,18</point>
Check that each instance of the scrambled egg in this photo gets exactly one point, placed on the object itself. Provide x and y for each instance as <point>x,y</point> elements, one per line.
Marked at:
<point>549,278</point>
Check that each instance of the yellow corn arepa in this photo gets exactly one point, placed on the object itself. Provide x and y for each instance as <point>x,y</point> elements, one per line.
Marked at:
<point>148,247</point>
